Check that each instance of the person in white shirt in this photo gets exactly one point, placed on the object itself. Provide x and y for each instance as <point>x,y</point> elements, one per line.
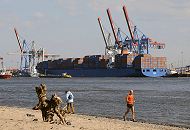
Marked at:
<point>69,100</point>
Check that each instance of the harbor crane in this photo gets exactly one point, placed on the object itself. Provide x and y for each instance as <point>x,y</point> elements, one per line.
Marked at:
<point>30,56</point>
<point>137,42</point>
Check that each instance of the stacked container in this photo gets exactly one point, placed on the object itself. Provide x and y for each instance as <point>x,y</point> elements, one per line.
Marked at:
<point>146,61</point>
<point>65,63</point>
<point>124,60</point>
<point>103,61</point>
<point>78,62</point>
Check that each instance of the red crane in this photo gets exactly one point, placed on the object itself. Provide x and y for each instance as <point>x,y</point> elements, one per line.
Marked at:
<point>128,24</point>
<point>102,30</point>
<point>112,26</point>
<point>18,40</point>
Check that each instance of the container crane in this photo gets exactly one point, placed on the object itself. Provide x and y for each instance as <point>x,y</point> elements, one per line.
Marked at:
<point>129,27</point>
<point>110,50</point>
<point>139,42</point>
<point>113,29</point>
<point>107,38</point>
<point>136,43</point>
<point>30,56</point>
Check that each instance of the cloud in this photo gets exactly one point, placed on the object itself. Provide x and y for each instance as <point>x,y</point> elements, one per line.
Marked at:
<point>7,1</point>
<point>77,7</point>
<point>1,24</point>
<point>102,5</point>
<point>29,24</point>
<point>39,15</point>
<point>60,1</point>
<point>71,6</point>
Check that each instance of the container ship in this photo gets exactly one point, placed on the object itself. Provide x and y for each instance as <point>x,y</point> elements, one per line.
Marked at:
<point>126,57</point>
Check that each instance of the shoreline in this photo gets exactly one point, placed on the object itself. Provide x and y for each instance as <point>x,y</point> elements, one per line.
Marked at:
<point>24,118</point>
<point>142,121</point>
<point>139,121</point>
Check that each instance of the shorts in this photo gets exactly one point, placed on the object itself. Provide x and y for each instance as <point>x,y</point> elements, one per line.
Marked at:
<point>129,105</point>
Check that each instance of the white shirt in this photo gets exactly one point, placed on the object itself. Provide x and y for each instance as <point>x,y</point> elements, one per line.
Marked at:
<point>67,97</point>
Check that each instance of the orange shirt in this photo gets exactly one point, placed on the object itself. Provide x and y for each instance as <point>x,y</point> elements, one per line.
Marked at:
<point>130,99</point>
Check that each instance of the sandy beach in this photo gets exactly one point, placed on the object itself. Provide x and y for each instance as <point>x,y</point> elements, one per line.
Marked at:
<point>12,118</point>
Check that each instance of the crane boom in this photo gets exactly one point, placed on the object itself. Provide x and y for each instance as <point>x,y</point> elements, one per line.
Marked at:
<point>18,40</point>
<point>128,24</point>
<point>102,30</point>
<point>112,26</point>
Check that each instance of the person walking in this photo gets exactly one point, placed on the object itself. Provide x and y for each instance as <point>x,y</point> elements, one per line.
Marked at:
<point>69,100</point>
<point>130,100</point>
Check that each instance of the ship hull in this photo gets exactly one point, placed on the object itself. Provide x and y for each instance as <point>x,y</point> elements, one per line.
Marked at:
<point>112,72</point>
<point>126,65</point>
<point>5,76</point>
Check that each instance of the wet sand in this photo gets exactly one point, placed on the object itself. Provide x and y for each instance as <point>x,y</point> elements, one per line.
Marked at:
<point>12,118</point>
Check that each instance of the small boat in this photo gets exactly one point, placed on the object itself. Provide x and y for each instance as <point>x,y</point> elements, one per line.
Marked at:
<point>65,75</point>
<point>172,73</point>
<point>5,74</point>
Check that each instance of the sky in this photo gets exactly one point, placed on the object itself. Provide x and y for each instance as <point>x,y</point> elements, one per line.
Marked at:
<point>70,28</point>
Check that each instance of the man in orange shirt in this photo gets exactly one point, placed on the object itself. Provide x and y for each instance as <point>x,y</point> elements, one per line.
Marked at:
<point>130,100</point>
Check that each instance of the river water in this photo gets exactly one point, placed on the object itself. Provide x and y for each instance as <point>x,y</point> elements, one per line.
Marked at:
<point>158,100</point>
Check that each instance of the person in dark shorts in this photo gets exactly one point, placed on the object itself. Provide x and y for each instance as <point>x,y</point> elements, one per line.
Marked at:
<point>130,100</point>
